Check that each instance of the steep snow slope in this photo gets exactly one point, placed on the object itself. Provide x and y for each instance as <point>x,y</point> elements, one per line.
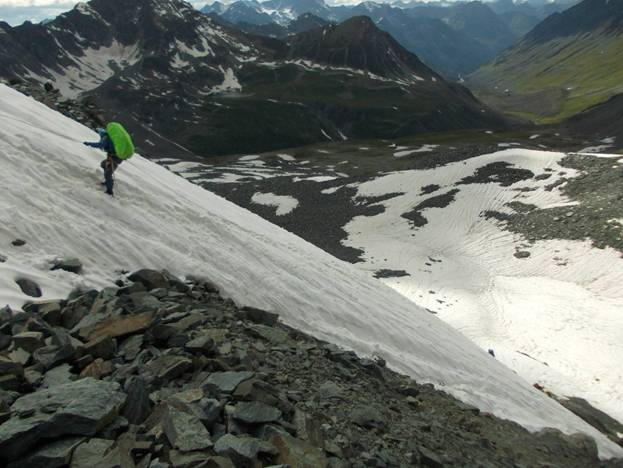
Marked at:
<point>553,317</point>
<point>52,200</point>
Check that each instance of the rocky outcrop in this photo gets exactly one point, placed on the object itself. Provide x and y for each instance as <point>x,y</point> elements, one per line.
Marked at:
<point>165,373</point>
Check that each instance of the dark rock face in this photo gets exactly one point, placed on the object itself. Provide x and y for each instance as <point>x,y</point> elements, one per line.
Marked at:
<point>203,64</point>
<point>70,264</point>
<point>81,407</point>
<point>29,287</point>
<point>242,391</point>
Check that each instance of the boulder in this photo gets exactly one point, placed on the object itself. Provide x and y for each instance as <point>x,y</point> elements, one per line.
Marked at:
<point>260,316</point>
<point>18,242</point>
<point>243,451</point>
<point>131,347</point>
<point>7,366</point>
<point>151,279</point>
<point>138,406</point>
<point>184,431</point>
<point>368,417</point>
<point>226,382</point>
<point>78,408</point>
<point>70,264</point>
<point>59,375</point>
<point>202,344</point>
<point>117,326</point>
<point>169,366</point>
<point>103,347</point>
<point>98,369</point>
<point>28,340</point>
<point>255,412</point>
<point>89,454</point>
<point>297,453</point>
<point>29,287</point>
<point>51,455</point>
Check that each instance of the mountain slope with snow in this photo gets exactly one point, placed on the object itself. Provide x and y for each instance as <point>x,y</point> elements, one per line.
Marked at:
<point>159,220</point>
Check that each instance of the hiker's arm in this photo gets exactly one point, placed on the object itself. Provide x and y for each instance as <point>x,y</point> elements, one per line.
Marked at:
<point>93,144</point>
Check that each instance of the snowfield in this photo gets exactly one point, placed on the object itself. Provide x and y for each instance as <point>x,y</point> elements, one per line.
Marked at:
<point>553,317</point>
<point>51,198</point>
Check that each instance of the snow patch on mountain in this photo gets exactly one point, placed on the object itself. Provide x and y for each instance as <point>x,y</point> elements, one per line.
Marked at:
<point>560,304</point>
<point>284,203</point>
<point>52,199</point>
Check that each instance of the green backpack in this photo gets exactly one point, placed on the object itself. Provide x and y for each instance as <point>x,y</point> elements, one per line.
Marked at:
<point>124,148</point>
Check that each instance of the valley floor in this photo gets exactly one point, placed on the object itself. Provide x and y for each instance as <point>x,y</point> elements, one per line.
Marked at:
<point>485,237</point>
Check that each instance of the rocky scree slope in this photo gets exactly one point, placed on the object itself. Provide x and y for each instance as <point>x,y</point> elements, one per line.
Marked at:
<point>173,75</point>
<point>160,372</point>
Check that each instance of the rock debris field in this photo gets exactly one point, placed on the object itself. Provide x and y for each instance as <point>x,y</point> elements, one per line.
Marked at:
<point>160,372</point>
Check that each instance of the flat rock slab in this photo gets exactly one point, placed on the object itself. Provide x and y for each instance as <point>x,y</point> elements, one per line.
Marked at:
<point>118,326</point>
<point>185,432</point>
<point>83,407</point>
<point>295,452</point>
<point>226,382</point>
<point>89,454</point>
<point>243,451</point>
<point>52,455</point>
<point>256,412</point>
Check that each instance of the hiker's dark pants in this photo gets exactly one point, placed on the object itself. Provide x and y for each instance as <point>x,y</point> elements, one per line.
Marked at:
<point>109,165</point>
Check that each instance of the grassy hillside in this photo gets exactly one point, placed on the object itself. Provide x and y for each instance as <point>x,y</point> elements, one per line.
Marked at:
<point>552,80</point>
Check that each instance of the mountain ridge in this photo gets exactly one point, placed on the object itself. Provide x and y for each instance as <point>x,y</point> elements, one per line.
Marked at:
<point>140,63</point>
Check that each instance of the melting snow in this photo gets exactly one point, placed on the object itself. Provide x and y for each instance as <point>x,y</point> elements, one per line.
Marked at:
<point>284,203</point>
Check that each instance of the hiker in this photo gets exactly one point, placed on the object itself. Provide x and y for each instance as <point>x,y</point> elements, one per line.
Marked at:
<point>118,146</point>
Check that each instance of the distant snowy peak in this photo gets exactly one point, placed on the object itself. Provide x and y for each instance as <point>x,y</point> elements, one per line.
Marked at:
<point>272,11</point>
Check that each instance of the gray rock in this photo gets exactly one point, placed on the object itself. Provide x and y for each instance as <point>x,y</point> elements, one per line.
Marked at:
<point>8,366</point>
<point>51,455</point>
<point>20,356</point>
<point>28,340</point>
<point>169,366</point>
<point>184,431</point>
<point>18,242</point>
<point>138,406</point>
<point>61,350</point>
<point>260,316</point>
<point>522,254</point>
<point>226,382</point>
<point>103,347</point>
<point>243,451</point>
<point>255,412</point>
<point>151,279</point>
<point>329,390</point>
<point>3,258</point>
<point>202,344</point>
<point>429,458</point>
<point>131,347</point>
<point>70,264</point>
<point>368,417</point>
<point>59,375</point>
<point>295,452</point>
<point>29,287</point>
<point>79,408</point>
<point>89,454</point>
<point>181,459</point>
<point>274,335</point>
